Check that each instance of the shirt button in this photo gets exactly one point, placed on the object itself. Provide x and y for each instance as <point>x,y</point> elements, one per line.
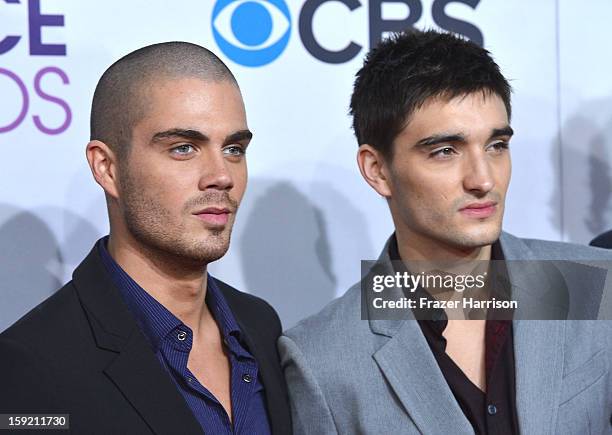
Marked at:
<point>492,409</point>
<point>182,335</point>
<point>247,378</point>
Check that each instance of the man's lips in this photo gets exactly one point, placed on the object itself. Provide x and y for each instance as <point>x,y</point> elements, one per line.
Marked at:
<point>479,210</point>
<point>217,216</point>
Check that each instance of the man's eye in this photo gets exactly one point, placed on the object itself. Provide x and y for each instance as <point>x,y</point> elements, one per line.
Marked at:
<point>499,146</point>
<point>182,150</point>
<point>442,152</point>
<point>234,150</point>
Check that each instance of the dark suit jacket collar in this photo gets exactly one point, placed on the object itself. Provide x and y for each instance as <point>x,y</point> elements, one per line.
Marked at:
<point>134,370</point>
<point>269,369</point>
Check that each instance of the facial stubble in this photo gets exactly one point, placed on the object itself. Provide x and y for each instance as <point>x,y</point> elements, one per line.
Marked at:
<point>157,229</point>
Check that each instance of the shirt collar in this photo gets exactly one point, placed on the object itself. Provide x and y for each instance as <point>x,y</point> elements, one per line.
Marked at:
<point>228,326</point>
<point>220,310</point>
<point>156,321</point>
<point>438,315</point>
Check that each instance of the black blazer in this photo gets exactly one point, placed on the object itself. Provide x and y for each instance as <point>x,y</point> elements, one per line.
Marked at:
<point>603,240</point>
<point>80,352</point>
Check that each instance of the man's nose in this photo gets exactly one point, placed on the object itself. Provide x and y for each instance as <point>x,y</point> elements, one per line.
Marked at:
<point>215,172</point>
<point>478,177</point>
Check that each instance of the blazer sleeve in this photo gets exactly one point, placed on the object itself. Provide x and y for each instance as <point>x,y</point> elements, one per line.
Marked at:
<point>309,410</point>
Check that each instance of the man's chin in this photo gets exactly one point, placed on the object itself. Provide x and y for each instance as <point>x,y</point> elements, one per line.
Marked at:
<point>478,238</point>
<point>196,252</point>
<point>208,251</point>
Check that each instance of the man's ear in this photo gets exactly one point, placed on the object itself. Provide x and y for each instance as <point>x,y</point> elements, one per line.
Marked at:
<point>103,164</point>
<point>374,169</point>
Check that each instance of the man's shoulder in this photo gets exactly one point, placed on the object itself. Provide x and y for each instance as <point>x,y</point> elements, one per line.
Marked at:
<point>51,318</point>
<point>333,343</point>
<point>337,321</point>
<point>40,343</point>
<point>552,250</point>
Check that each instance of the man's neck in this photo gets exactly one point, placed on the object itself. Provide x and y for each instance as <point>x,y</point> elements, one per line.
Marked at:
<point>423,253</point>
<point>177,285</point>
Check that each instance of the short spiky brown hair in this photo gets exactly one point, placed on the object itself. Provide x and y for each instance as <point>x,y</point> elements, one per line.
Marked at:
<point>410,68</point>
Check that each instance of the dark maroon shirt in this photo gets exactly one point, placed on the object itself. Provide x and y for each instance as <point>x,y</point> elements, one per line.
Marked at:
<point>490,412</point>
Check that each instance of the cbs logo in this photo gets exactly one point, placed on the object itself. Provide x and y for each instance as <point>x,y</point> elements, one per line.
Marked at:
<point>255,32</point>
<point>251,32</point>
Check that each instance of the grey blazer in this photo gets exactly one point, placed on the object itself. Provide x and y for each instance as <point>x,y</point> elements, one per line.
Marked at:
<point>353,376</point>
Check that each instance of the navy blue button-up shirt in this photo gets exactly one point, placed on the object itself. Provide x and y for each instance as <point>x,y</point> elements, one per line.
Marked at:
<point>171,341</point>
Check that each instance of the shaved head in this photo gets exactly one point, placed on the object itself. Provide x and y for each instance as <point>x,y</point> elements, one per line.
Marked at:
<point>121,98</point>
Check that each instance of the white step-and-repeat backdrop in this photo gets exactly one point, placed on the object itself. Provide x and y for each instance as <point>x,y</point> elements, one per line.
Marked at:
<point>308,218</point>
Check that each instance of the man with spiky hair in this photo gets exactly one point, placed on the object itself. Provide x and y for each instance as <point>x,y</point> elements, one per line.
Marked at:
<point>143,339</point>
<point>431,113</point>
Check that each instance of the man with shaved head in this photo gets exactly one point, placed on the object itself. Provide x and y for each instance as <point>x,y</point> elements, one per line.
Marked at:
<point>143,339</point>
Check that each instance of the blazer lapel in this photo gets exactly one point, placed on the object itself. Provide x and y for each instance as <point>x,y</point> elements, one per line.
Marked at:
<point>138,374</point>
<point>538,344</point>
<point>412,371</point>
<point>538,350</point>
<point>134,370</point>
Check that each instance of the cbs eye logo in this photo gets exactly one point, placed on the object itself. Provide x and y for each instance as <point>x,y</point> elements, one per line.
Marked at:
<point>251,32</point>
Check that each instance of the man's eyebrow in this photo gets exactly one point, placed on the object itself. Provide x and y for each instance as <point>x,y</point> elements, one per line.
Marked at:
<point>439,138</point>
<point>180,133</point>
<point>239,136</point>
<point>458,137</point>
<point>504,131</point>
